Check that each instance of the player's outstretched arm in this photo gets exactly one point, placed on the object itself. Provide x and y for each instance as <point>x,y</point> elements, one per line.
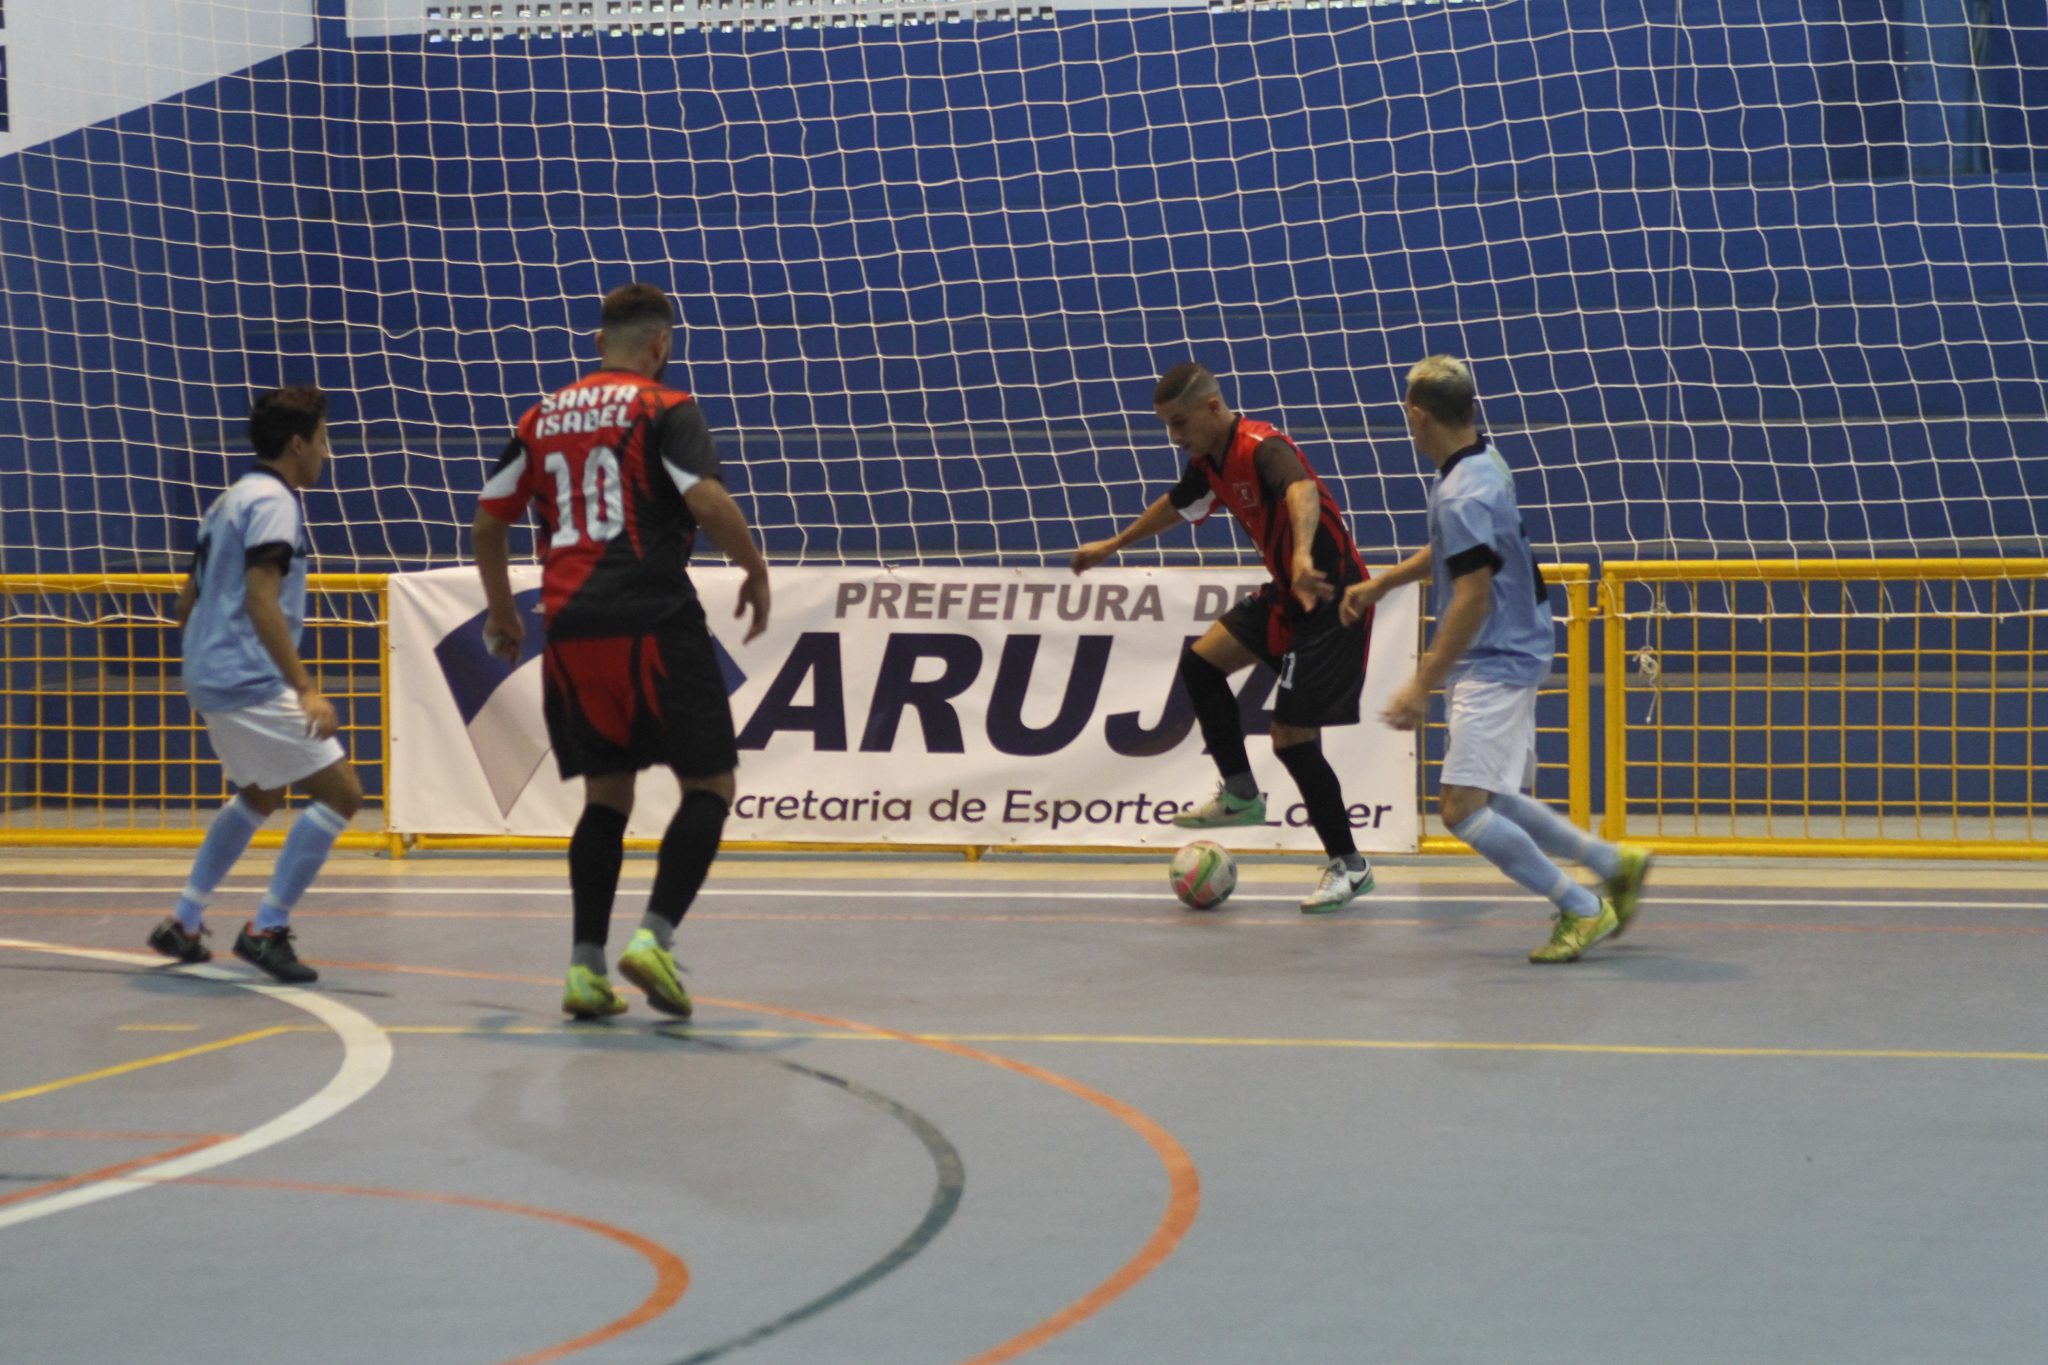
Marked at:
<point>1471,600</point>
<point>1360,598</point>
<point>721,519</point>
<point>1149,523</point>
<point>266,617</point>
<point>504,632</point>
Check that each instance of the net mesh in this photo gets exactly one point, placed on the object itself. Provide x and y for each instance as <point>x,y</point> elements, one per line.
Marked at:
<point>1741,277</point>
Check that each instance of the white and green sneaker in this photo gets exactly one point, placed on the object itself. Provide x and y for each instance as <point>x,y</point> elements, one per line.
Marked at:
<point>1341,884</point>
<point>1223,810</point>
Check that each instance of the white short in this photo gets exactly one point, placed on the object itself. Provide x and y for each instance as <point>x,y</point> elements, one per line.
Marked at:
<point>1492,743</point>
<point>266,745</point>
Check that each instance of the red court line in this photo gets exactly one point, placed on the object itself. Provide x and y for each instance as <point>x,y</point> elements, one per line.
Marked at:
<point>1184,1187</point>
<point>118,1169</point>
<point>671,1275</point>
<point>1184,1191</point>
<point>108,1135</point>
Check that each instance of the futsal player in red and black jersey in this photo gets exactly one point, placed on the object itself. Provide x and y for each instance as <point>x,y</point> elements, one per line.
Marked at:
<point>1290,625</point>
<point>622,473</point>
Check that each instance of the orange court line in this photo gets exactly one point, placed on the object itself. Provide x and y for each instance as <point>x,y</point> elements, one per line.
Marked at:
<point>107,1135</point>
<point>671,1275</point>
<point>1184,1190</point>
<point>115,1171</point>
<point>1184,1186</point>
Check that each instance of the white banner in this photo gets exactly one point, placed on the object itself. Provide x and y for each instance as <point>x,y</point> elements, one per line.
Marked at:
<point>1006,707</point>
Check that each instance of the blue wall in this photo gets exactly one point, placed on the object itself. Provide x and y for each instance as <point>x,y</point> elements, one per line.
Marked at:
<point>1719,258</point>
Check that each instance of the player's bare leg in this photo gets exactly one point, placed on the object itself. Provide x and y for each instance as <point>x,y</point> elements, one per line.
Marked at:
<point>1205,670</point>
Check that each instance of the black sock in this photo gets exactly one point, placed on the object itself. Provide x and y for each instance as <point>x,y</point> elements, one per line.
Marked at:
<point>1322,795</point>
<point>687,848</point>
<point>595,851</point>
<point>1216,712</point>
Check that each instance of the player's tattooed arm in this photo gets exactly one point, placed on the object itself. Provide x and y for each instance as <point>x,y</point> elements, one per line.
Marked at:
<point>1160,516</point>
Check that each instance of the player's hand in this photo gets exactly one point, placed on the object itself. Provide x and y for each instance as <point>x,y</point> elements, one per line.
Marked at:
<point>1408,709</point>
<point>503,635</point>
<point>1359,599</point>
<point>1092,554</point>
<point>1310,587</point>
<point>754,593</point>
<point>321,719</point>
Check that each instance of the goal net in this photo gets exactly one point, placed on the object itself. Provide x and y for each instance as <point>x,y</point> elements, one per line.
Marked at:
<point>1738,279</point>
<point>1736,276</point>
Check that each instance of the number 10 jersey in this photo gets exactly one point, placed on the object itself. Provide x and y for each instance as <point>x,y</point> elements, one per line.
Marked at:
<point>605,463</point>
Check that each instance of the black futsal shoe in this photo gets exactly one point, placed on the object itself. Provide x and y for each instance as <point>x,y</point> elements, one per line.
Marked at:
<point>170,939</point>
<point>271,951</point>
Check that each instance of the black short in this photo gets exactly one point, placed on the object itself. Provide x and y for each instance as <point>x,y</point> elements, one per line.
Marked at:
<point>620,703</point>
<point>1320,660</point>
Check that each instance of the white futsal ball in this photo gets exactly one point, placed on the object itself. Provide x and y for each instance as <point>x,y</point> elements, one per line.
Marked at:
<point>1203,875</point>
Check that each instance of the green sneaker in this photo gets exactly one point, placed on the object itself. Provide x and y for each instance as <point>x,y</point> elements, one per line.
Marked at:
<point>1222,810</point>
<point>652,968</point>
<point>589,995</point>
<point>1573,934</point>
<point>1625,887</point>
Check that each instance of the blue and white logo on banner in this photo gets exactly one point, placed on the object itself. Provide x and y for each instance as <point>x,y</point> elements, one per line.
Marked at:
<point>500,703</point>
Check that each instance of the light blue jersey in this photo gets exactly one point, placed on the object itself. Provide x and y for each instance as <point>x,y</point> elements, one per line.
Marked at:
<point>225,666</point>
<point>1474,523</point>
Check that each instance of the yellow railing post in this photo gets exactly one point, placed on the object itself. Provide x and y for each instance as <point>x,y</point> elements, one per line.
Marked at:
<point>1614,818</point>
<point>394,842</point>
<point>1578,651</point>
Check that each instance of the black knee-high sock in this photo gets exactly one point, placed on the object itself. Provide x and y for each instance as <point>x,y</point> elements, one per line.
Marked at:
<point>1322,795</point>
<point>1216,712</point>
<point>595,851</point>
<point>687,848</point>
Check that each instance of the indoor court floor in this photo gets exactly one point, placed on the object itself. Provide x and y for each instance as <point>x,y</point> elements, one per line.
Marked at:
<point>939,1112</point>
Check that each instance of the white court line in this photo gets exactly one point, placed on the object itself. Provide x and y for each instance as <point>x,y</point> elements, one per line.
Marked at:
<point>366,1057</point>
<point>923,892</point>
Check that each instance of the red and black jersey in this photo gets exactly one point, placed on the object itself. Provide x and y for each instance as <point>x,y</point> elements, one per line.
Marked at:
<point>604,463</point>
<point>1254,487</point>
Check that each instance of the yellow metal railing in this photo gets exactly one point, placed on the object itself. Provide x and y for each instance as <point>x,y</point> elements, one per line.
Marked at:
<point>1883,707</point>
<point>97,744</point>
<point>1867,707</point>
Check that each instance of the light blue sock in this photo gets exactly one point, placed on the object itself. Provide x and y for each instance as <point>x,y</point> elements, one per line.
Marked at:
<point>227,838</point>
<point>1557,836</point>
<point>305,849</point>
<point>1508,847</point>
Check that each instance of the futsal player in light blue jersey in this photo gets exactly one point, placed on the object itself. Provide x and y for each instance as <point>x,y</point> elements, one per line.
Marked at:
<point>1494,646</point>
<point>242,609</point>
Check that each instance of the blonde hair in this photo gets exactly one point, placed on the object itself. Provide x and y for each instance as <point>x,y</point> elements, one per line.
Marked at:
<point>1442,387</point>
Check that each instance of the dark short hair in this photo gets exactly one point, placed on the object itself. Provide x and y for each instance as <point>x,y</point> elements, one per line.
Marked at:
<point>636,305</point>
<point>1442,387</point>
<point>1190,379</point>
<point>277,416</point>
